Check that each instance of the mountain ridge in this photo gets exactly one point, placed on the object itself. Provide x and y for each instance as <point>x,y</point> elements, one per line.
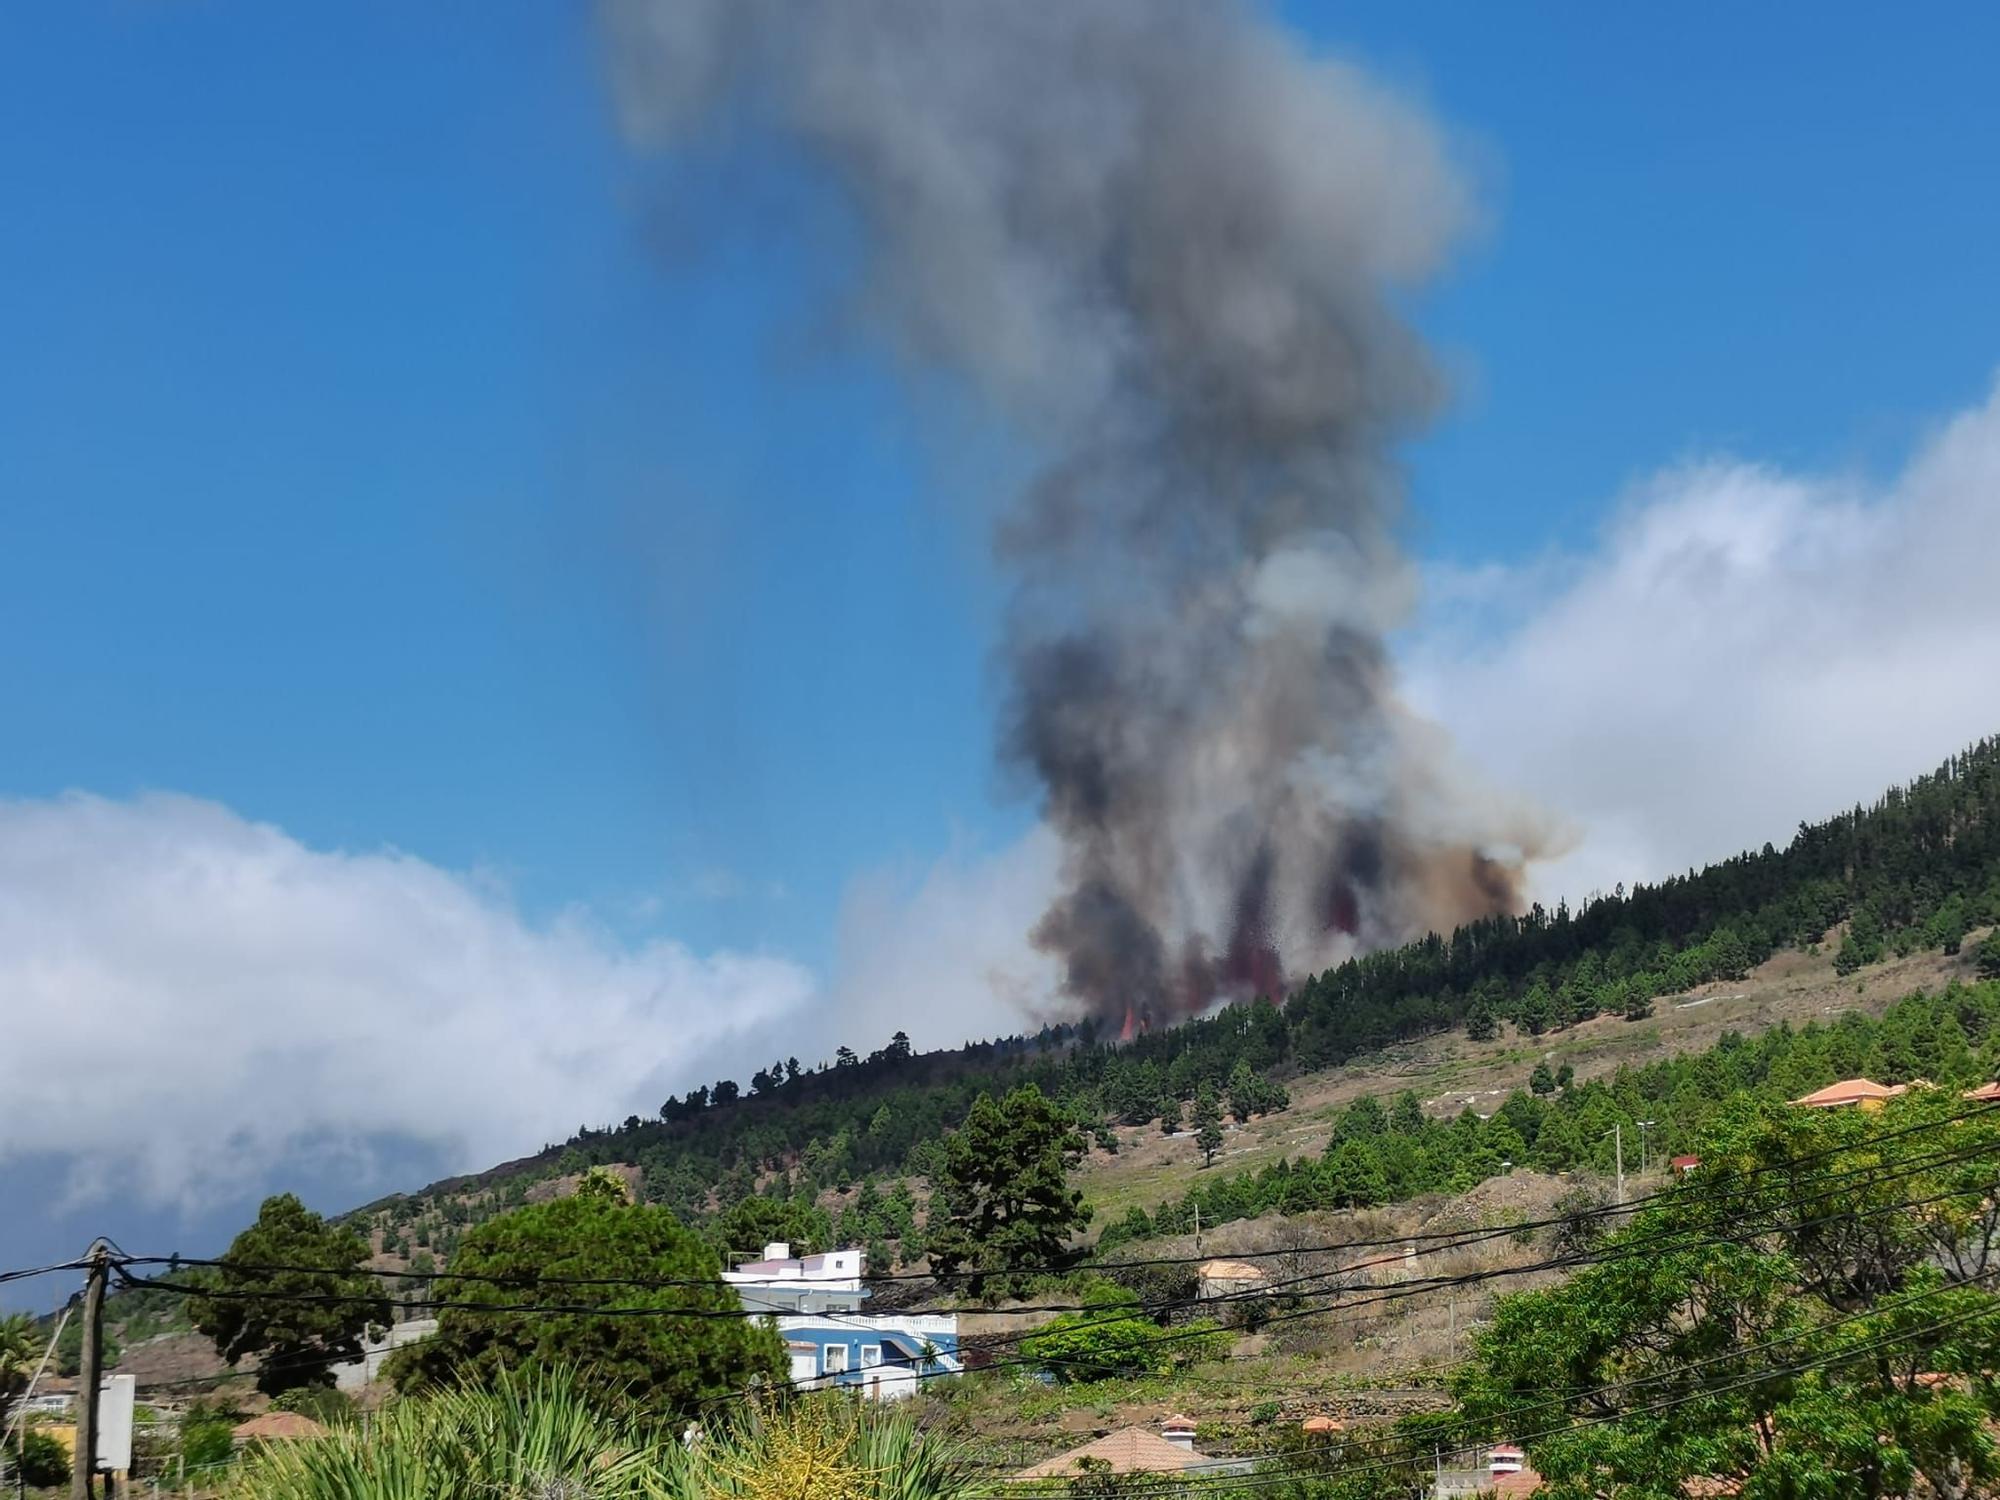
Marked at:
<point>1919,867</point>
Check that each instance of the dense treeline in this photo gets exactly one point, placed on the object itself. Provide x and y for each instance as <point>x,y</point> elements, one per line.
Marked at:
<point>1919,868</point>
<point>1381,1153</point>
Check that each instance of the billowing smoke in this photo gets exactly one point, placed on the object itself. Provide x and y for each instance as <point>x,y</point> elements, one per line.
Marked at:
<point>1163,241</point>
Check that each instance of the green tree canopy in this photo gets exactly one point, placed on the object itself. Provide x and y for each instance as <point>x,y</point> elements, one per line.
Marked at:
<point>69,1348</point>
<point>21,1345</point>
<point>1001,1200</point>
<point>1207,1124</point>
<point>290,1291</point>
<point>640,1351</point>
<point>748,1226</point>
<point>1766,1322</point>
<point>1112,1336</point>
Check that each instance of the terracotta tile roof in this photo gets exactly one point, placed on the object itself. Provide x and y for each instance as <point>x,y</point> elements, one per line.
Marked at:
<point>1129,1450</point>
<point>1986,1093</point>
<point>1229,1270</point>
<point>1849,1091</point>
<point>280,1426</point>
<point>1521,1482</point>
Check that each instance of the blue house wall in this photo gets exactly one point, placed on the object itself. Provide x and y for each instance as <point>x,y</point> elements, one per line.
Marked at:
<point>896,1346</point>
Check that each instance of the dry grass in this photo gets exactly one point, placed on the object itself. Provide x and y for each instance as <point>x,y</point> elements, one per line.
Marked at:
<point>1451,1072</point>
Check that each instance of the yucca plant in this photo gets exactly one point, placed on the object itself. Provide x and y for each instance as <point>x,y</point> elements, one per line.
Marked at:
<point>531,1438</point>
<point>536,1437</point>
<point>826,1447</point>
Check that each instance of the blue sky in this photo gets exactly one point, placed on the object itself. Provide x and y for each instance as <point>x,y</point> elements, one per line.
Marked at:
<point>382,456</point>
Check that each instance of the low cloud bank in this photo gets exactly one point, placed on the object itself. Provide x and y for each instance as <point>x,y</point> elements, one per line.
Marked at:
<point>195,1000</point>
<point>1742,649</point>
<point>197,1004</point>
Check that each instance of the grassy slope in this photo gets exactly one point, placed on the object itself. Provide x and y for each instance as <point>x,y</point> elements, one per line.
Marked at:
<point>1386,1360</point>
<point>1450,1072</point>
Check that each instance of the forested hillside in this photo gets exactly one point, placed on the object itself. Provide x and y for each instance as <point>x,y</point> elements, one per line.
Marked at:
<point>1387,1151</point>
<point>1920,868</point>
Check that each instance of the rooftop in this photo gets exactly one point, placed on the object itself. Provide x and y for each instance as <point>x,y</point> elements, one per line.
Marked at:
<point>1129,1450</point>
<point>1850,1091</point>
<point>276,1426</point>
<point>1230,1270</point>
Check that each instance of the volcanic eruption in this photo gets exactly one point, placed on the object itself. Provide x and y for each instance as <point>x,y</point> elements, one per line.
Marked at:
<point>1163,241</point>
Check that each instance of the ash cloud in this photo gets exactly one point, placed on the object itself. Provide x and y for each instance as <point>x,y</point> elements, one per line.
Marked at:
<point>1163,241</point>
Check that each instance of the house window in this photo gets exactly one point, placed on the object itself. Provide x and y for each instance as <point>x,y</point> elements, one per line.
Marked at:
<point>832,1359</point>
<point>871,1356</point>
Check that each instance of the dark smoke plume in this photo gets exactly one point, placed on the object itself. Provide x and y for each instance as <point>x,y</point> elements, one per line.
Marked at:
<point>1162,240</point>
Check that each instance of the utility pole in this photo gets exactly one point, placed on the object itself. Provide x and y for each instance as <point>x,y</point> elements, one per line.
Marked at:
<point>1645,1139</point>
<point>1197,1229</point>
<point>90,1372</point>
<point>1618,1145</point>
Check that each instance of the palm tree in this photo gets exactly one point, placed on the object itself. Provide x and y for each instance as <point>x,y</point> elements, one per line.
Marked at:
<point>21,1346</point>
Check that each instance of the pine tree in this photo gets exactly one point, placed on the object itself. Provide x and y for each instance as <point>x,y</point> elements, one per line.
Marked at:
<point>1987,957</point>
<point>1001,1202</point>
<point>1207,1123</point>
<point>1243,1092</point>
<point>1537,1010</point>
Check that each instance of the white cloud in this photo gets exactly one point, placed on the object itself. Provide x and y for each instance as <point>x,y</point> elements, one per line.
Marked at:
<point>944,954</point>
<point>1742,649</point>
<point>192,1000</point>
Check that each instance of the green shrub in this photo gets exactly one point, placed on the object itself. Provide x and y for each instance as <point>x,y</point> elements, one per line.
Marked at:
<point>538,1435</point>
<point>327,1405</point>
<point>1112,1337</point>
<point>44,1461</point>
<point>206,1442</point>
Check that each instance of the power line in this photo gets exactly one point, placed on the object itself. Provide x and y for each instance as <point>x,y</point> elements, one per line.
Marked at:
<point>1737,1184</point>
<point>1394,1292</point>
<point>1433,1241</point>
<point>23,1275</point>
<point>1400,1290</point>
<point>1293,1466</point>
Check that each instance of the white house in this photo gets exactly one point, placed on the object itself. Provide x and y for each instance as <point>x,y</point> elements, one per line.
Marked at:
<point>357,1373</point>
<point>815,1302</point>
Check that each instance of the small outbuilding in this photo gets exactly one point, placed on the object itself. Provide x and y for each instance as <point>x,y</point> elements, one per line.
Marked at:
<point>1228,1278</point>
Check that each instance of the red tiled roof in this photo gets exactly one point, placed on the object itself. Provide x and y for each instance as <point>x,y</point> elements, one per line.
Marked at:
<point>1130,1450</point>
<point>1849,1091</point>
